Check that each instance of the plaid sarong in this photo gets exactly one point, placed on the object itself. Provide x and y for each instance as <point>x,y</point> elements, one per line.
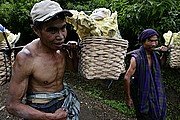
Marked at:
<point>149,90</point>
<point>71,102</point>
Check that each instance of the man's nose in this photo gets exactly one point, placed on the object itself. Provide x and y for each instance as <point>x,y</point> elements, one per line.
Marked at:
<point>59,35</point>
<point>153,42</point>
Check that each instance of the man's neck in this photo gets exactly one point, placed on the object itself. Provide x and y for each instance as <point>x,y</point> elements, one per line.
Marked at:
<point>44,49</point>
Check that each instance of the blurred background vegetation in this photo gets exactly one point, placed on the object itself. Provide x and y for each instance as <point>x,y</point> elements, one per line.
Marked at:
<point>133,17</point>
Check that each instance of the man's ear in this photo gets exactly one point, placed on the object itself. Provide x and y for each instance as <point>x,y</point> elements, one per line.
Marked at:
<point>36,30</point>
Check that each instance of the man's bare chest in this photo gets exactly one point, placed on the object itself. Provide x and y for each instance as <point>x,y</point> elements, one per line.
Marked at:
<point>149,60</point>
<point>48,68</point>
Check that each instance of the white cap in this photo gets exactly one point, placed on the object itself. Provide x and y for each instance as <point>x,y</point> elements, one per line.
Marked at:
<point>46,9</point>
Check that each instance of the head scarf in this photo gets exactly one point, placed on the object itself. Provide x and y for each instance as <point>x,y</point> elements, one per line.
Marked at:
<point>147,33</point>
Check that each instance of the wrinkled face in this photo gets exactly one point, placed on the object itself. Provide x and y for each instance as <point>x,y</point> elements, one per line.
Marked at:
<point>53,34</point>
<point>151,43</point>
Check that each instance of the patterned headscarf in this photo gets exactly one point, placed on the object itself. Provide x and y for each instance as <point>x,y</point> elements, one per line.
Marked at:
<point>147,33</point>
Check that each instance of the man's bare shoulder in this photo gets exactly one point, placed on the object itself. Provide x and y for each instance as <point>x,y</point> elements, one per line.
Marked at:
<point>28,52</point>
<point>133,62</point>
<point>133,59</point>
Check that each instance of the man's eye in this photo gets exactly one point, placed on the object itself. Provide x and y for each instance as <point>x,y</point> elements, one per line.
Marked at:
<point>153,40</point>
<point>63,29</point>
<point>53,31</point>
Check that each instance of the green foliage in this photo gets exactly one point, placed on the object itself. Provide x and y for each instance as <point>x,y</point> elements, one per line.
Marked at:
<point>88,5</point>
<point>133,16</point>
<point>121,107</point>
<point>15,17</point>
<point>171,78</point>
<point>172,83</point>
<point>137,15</point>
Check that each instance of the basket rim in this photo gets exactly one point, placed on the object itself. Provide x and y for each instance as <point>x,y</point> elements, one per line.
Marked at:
<point>100,37</point>
<point>106,40</point>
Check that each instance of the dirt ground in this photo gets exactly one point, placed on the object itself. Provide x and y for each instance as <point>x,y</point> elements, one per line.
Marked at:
<point>91,108</point>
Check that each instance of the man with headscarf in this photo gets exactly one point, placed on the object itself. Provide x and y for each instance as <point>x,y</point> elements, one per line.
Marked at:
<point>143,82</point>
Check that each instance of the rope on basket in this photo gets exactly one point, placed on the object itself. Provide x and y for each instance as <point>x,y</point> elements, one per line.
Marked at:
<point>8,54</point>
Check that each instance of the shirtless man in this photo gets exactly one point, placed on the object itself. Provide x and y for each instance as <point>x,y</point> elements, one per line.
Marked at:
<point>143,82</point>
<point>39,69</point>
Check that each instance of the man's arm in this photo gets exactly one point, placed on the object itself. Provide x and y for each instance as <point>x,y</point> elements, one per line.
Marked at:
<point>72,56</point>
<point>163,57</point>
<point>131,70</point>
<point>18,86</point>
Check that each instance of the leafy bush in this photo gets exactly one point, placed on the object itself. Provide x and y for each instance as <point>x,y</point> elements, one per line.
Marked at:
<point>15,17</point>
<point>137,15</point>
<point>133,16</point>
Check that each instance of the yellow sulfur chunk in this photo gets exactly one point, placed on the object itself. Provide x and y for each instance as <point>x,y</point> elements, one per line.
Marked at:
<point>100,23</point>
<point>175,38</point>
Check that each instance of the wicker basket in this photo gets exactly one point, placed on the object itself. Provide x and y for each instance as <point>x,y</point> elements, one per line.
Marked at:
<point>102,57</point>
<point>174,57</point>
<point>5,65</point>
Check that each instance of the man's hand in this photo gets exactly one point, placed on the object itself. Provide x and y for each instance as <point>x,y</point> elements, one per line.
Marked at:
<point>163,49</point>
<point>129,102</point>
<point>70,45</point>
<point>60,114</point>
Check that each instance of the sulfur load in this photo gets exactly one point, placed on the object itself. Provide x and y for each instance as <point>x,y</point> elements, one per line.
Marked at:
<point>102,47</point>
<point>174,56</point>
<point>100,23</point>
<point>5,63</point>
<point>10,36</point>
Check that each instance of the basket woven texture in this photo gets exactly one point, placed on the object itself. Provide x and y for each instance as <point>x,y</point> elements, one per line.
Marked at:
<point>102,57</point>
<point>5,65</point>
<point>174,57</point>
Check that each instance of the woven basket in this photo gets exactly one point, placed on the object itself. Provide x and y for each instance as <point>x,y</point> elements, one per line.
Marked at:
<point>174,56</point>
<point>102,57</point>
<point>5,65</point>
